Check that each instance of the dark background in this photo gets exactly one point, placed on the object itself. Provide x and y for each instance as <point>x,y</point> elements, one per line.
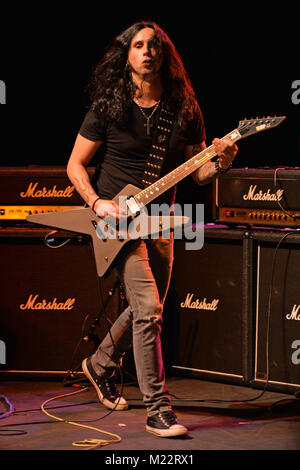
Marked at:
<point>242,60</point>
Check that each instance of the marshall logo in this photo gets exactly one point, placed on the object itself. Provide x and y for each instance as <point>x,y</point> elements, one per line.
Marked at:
<point>201,305</point>
<point>32,191</point>
<point>34,304</point>
<point>295,314</point>
<point>254,195</point>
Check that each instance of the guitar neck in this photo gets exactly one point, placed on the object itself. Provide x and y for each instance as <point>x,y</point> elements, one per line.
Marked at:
<point>166,182</point>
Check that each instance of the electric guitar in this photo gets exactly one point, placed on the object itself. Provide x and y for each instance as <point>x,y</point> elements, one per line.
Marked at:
<point>109,238</point>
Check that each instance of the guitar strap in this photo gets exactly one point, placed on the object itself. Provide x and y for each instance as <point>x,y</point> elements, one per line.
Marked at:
<point>164,126</point>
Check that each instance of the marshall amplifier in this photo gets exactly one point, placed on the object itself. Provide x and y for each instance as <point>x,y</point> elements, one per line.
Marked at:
<point>50,300</point>
<point>258,197</point>
<point>277,331</point>
<point>33,190</point>
<point>209,308</point>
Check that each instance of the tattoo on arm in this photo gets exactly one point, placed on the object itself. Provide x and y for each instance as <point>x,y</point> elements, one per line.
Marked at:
<point>84,188</point>
<point>207,172</point>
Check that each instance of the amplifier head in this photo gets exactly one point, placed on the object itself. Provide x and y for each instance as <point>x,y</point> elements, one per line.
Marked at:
<point>258,197</point>
<point>34,190</point>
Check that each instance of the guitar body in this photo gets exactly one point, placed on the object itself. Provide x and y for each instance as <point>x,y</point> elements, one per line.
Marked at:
<point>109,239</point>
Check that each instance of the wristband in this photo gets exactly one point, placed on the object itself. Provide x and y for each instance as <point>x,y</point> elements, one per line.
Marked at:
<point>95,202</point>
<point>219,169</point>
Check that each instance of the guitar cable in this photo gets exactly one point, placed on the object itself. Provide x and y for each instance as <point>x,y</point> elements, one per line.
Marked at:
<point>48,241</point>
<point>90,444</point>
<point>295,217</point>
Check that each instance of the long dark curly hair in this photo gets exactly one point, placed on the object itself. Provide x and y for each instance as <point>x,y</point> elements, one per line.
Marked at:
<point>111,86</point>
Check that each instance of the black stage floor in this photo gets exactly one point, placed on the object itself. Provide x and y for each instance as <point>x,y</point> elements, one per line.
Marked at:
<point>219,417</point>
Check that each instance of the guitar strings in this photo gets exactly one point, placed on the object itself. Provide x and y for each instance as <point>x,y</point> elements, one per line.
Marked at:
<point>185,169</point>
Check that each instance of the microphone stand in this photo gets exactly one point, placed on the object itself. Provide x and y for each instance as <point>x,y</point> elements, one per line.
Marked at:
<point>91,336</point>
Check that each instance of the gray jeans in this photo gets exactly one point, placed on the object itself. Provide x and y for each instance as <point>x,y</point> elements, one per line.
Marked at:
<point>145,270</point>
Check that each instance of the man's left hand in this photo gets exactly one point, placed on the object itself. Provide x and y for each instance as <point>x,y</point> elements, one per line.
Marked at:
<point>226,150</point>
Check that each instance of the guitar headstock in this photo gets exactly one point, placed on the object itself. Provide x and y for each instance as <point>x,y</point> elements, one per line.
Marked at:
<point>253,126</point>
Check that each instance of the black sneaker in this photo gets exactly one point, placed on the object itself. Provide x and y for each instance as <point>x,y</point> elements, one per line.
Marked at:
<point>164,424</point>
<point>105,387</point>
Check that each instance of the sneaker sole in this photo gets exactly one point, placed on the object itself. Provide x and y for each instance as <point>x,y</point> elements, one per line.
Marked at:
<point>112,406</point>
<point>175,430</point>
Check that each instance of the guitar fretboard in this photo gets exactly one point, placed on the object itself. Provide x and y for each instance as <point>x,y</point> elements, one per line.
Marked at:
<point>163,184</point>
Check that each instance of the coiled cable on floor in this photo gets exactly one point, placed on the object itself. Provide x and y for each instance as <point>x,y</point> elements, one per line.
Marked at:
<point>87,443</point>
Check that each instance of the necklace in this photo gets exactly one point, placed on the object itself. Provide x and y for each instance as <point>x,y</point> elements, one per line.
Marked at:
<point>148,124</point>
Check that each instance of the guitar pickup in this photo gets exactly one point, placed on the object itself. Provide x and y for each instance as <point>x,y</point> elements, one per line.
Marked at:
<point>133,206</point>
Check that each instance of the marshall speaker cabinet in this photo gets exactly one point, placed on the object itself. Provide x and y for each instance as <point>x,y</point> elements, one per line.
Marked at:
<point>51,298</point>
<point>210,303</point>
<point>258,197</point>
<point>277,332</point>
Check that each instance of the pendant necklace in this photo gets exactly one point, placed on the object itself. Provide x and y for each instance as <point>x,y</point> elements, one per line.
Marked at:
<point>148,124</point>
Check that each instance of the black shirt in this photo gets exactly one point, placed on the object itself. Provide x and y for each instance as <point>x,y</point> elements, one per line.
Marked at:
<point>126,150</point>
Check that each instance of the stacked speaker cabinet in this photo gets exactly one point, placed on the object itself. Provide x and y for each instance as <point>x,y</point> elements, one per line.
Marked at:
<point>277,331</point>
<point>50,299</point>
<point>236,307</point>
<point>210,303</point>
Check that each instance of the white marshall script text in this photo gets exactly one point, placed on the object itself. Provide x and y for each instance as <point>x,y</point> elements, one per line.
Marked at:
<point>254,195</point>
<point>294,315</point>
<point>199,304</point>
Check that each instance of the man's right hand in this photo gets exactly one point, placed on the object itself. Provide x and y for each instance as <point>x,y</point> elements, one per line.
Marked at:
<point>107,208</point>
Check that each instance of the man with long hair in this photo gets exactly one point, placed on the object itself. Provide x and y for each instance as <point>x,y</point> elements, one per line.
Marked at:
<point>139,75</point>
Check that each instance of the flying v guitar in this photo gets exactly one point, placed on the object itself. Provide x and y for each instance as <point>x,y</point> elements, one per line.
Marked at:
<point>109,239</point>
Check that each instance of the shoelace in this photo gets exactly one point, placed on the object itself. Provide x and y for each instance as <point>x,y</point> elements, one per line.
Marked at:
<point>167,418</point>
<point>111,390</point>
